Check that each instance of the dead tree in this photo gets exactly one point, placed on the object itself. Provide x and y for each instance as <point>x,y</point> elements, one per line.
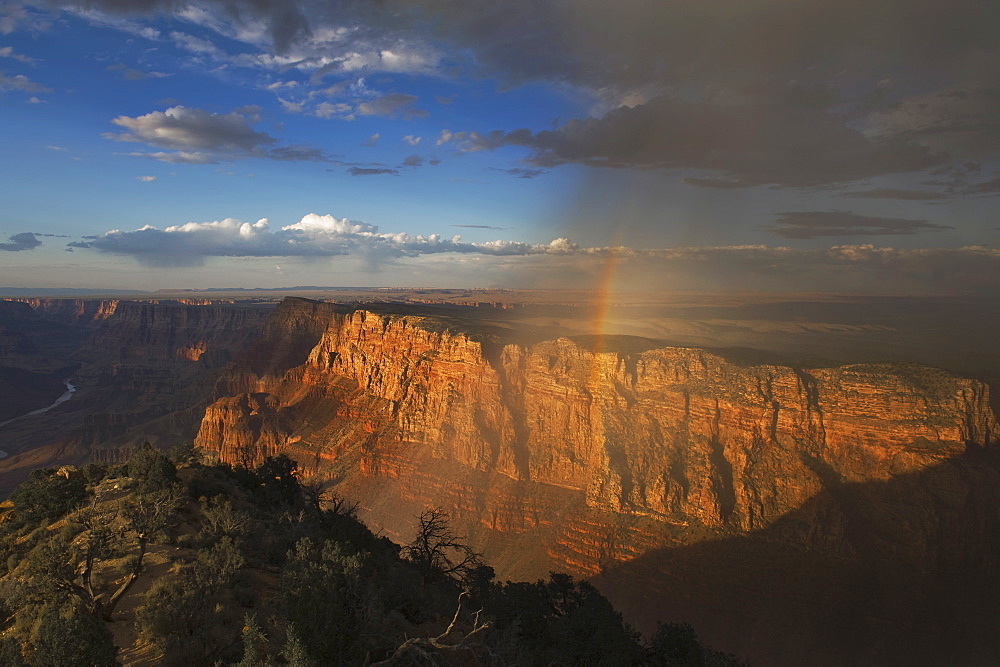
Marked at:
<point>437,551</point>
<point>449,646</point>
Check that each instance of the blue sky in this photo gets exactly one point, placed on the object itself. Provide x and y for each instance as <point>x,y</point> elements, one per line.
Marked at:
<point>731,145</point>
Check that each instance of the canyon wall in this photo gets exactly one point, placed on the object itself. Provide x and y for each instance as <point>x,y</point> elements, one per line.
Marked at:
<point>72,311</point>
<point>143,371</point>
<point>618,429</point>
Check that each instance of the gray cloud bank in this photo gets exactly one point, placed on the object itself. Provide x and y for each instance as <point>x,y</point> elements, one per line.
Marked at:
<point>814,224</point>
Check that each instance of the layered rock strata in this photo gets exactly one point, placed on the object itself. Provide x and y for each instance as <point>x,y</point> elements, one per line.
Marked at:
<point>679,436</point>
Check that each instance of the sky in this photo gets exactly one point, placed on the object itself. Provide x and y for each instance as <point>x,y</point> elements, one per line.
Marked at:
<point>751,145</point>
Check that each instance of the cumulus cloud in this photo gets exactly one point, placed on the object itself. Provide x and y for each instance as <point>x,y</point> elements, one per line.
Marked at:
<point>372,140</point>
<point>181,128</point>
<point>313,236</point>
<point>412,140</point>
<point>196,136</point>
<point>23,241</point>
<point>814,224</point>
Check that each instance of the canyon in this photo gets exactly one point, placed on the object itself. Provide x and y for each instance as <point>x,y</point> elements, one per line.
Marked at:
<point>822,512</point>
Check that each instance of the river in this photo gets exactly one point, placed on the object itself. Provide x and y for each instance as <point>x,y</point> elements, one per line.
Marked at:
<point>70,389</point>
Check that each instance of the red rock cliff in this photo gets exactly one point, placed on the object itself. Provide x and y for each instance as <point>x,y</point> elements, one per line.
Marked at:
<point>675,436</point>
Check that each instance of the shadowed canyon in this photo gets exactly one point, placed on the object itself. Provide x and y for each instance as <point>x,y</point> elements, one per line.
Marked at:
<point>799,478</point>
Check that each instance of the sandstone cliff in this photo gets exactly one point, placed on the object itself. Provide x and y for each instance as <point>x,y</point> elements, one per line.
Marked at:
<point>779,508</point>
<point>676,436</point>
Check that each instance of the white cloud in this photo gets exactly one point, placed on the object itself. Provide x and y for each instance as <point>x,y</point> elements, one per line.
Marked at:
<point>196,136</point>
<point>183,128</point>
<point>21,83</point>
<point>412,140</point>
<point>8,52</point>
<point>196,45</point>
<point>145,179</point>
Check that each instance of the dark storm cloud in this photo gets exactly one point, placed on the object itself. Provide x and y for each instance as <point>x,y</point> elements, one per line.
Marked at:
<point>750,144</point>
<point>23,241</point>
<point>815,224</point>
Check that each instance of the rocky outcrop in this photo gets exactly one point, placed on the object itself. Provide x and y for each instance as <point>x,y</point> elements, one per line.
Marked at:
<point>677,436</point>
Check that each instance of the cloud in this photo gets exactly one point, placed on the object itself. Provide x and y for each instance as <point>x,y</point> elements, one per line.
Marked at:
<point>145,179</point>
<point>984,188</point>
<point>372,140</point>
<point>715,183</point>
<point>181,128</point>
<point>481,227</point>
<point>815,224</point>
<point>60,149</point>
<point>413,161</point>
<point>139,75</point>
<point>521,172</point>
<point>23,241</point>
<point>890,193</point>
<point>330,109</point>
<point>749,144</point>
<point>8,52</point>
<point>313,236</point>
<point>21,83</point>
<point>196,136</point>
<point>793,94</point>
<point>372,171</point>
<point>412,140</point>
<point>392,105</point>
